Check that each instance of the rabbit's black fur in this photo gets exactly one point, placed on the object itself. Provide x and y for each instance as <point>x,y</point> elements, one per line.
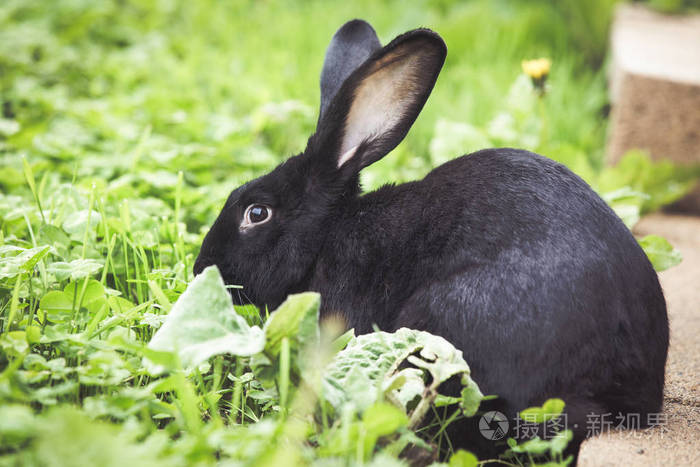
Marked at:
<point>505,253</point>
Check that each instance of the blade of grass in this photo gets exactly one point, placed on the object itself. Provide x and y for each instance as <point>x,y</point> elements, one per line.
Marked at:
<point>29,177</point>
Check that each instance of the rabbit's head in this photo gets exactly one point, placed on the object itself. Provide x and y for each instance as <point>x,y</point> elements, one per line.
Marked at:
<point>271,230</point>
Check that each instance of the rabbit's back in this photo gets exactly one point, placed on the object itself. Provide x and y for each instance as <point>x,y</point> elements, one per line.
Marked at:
<point>554,297</point>
<point>538,269</point>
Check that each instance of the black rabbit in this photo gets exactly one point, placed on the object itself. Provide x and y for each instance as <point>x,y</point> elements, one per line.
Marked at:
<point>505,253</point>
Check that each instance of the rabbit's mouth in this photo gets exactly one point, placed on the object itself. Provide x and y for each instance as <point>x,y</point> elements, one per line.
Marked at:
<point>201,263</point>
<point>238,295</point>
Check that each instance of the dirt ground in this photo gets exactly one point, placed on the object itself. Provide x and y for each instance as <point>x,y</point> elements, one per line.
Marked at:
<point>677,441</point>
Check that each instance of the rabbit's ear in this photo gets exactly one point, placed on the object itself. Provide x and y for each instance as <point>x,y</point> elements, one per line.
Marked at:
<point>377,104</point>
<point>351,45</point>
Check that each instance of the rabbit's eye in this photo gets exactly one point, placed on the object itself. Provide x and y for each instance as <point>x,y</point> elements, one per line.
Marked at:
<point>256,214</point>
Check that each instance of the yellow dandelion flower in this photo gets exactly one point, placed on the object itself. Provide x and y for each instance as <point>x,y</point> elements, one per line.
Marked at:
<point>538,68</point>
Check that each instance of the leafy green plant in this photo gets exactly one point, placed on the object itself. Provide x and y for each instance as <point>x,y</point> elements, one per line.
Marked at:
<point>391,403</point>
<point>538,451</point>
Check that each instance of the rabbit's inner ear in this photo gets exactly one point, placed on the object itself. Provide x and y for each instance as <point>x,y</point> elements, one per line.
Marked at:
<point>388,97</point>
<point>379,103</point>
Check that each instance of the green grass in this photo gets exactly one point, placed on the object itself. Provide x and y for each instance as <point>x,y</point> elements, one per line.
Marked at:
<point>124,125</point>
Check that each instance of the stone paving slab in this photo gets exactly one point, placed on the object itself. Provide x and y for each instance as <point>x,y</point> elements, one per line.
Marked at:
<point>677,442</point>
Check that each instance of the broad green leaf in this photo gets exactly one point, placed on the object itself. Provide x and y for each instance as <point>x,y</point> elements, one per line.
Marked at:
<point>57,238</point>
<point>203,323</point>
<point>296,319</point>
<point>58,308</point>
<point>553,407</point>
<point>76,222</point>
<point>660,252</point>
<point>58,333</point>
<point>76,269</point>
<point>383,419</point>
<point>81,268</point>
<point>93,291</point>
<point>60,269</point>
<point>120,304</point>
<point>15,260</point>
<point>550,410</point>
<point>14,342</point>
<point>471,397</point>
<point>56,300</point>
<point>380,420</point>
<point>33,334</point>
<point>463,458</point>
<point>559,442</point>
<point>534,446</point>
<point>371,365</point>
